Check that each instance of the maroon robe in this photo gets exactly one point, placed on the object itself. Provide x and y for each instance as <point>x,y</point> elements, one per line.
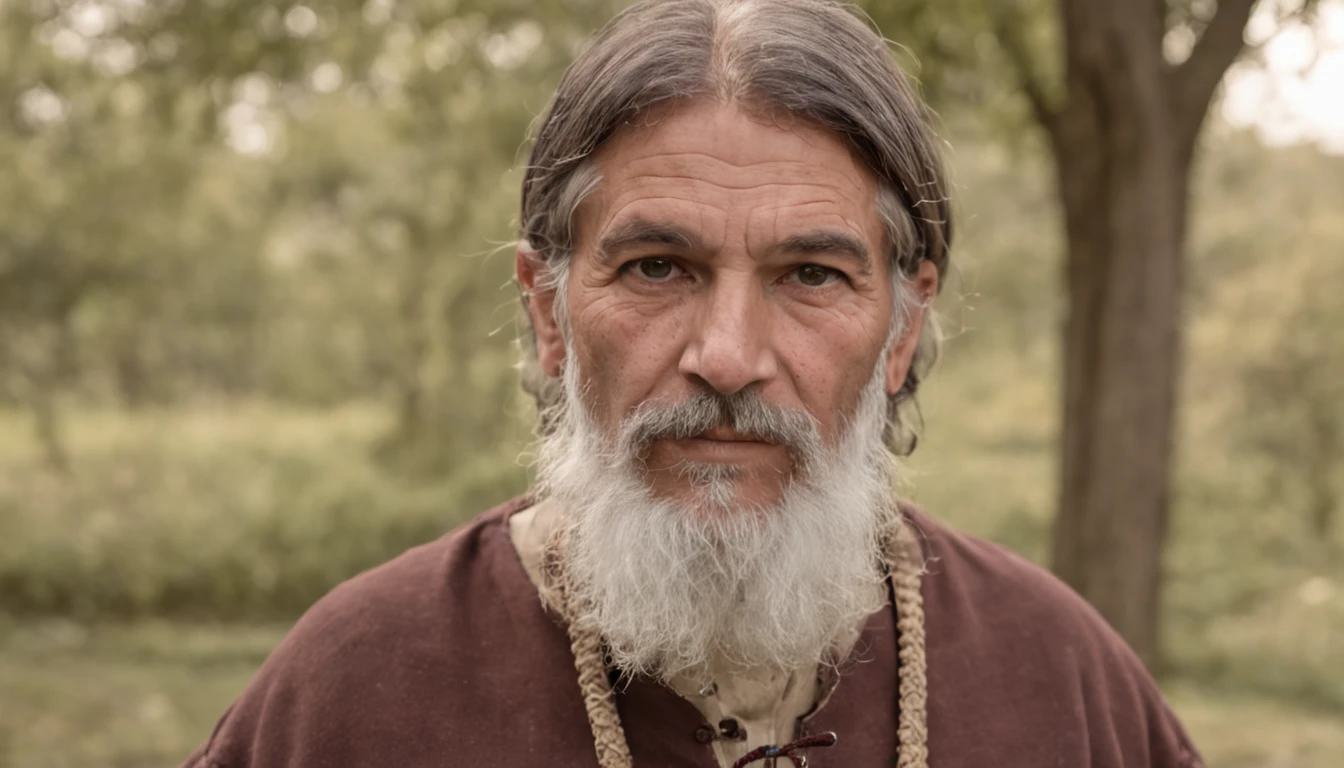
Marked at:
<point>446,657</point>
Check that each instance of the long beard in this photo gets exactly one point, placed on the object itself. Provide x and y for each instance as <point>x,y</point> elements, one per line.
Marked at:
<point>683,587</point>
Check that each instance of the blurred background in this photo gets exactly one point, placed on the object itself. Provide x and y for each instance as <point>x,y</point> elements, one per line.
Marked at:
<point>257,334</point>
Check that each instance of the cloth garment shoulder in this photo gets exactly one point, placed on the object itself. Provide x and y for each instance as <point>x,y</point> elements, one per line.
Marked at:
<point>446,657</point>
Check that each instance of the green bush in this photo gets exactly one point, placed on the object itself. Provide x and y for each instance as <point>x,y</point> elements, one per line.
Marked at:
<point>228,527</point>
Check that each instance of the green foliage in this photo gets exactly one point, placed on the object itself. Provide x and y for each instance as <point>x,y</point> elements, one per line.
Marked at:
<point>275,199</point>
<point>1273,326</point>
<point>241,513</point>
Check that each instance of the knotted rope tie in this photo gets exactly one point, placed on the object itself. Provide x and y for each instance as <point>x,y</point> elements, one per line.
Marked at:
<point>789,750</point>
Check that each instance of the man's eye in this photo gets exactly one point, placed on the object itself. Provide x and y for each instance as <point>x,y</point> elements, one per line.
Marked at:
<point>655,269</point>
<point>815,276</point>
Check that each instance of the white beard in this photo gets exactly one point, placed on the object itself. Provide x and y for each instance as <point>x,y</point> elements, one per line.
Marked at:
<point>676,591</point>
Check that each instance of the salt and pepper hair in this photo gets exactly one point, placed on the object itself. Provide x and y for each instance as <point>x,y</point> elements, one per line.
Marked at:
<point>816,59</point>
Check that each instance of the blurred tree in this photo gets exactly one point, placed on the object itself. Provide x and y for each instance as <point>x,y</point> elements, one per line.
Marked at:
<point>1121,107</point>
<point>193,172</point>
<point>425,186</point>
<point>120,232</point>
<point>1296,413</point>
<point>1290,350</point>
<point>1123,129</point>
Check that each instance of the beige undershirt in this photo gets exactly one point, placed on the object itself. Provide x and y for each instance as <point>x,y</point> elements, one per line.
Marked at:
<point>767,705</point>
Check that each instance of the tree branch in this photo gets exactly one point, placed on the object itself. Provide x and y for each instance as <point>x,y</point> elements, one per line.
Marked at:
<point>1008,26</point>
<point>1195,80</point>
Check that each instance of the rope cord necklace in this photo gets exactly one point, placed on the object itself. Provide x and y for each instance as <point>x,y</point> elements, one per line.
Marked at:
<point>904,564</point>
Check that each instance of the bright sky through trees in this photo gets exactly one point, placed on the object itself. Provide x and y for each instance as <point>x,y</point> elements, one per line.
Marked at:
<point>1296,94</point>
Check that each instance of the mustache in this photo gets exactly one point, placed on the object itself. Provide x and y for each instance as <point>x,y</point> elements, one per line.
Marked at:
<point>746,412</point>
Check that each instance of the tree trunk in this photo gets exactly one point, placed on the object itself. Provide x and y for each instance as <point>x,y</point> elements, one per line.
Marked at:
<point>1124,201</point>
<point>1123,146</point>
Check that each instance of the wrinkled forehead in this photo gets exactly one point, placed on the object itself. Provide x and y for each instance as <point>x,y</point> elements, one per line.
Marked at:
<point>725,167</point>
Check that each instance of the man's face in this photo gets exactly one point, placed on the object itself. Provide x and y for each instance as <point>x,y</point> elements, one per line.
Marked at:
<point>726,252</point>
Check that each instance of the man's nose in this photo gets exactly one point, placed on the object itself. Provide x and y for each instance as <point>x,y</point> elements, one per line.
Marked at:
<point>729,345</point>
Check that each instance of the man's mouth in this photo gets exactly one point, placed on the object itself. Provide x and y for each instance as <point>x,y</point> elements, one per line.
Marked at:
<point>719,445</point>
<point>728,435</point>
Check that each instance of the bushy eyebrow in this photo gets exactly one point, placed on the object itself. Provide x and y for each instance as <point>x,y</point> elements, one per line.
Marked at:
<point>831,241</point>
<point>641,231</point>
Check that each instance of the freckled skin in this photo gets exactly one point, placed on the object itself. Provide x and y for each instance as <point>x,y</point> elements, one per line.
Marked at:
<point>654,321</point>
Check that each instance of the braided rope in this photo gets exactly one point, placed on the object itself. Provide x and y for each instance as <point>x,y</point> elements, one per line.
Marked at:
<point>905,565</point>
<point>586,643</point>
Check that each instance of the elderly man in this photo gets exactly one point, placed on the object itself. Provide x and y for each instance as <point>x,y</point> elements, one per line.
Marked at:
<point>733,222</point>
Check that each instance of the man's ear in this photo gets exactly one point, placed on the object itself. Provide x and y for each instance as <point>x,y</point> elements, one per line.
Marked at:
<point>541,309</point>
<point>902,352</point>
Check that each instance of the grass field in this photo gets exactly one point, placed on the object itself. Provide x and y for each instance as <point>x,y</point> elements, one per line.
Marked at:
<point>131,696</point>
